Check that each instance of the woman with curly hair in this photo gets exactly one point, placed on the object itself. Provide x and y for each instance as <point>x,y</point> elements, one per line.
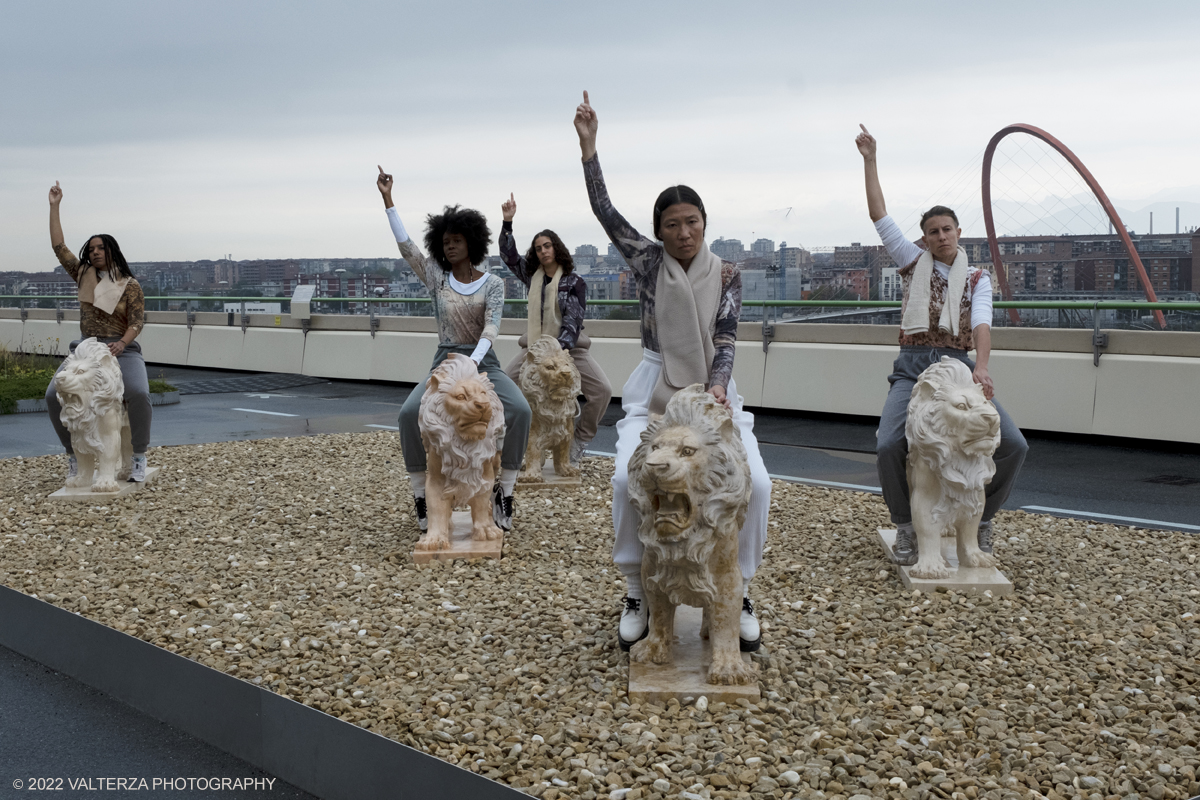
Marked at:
<point>557,299</point>
<point>690,301</point>
<point>112,308</point>
<point>467,304</point>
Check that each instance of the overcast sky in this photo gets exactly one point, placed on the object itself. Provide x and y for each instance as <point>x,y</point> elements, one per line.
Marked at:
<point>193,130</point>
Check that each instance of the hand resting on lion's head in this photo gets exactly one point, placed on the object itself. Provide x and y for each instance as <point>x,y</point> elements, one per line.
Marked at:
<point>550,382</point>
<point>461,421</point>
<point>92,393</point>
<point>689,480</point>
<point>952,432</point>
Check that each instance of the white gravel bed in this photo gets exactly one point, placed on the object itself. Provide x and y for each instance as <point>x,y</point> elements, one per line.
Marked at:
<point>287,563</point>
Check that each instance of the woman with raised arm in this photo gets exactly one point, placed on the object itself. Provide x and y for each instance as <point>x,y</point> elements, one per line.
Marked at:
<point>112,308</point>
<point>557,299</point>
<point>467,304</point>
<point>694,343</point>
<point>946,311</point>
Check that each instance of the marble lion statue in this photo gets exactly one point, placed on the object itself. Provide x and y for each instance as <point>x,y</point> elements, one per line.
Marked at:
<point>952,432</point>
<point>550,382</point>
<point>92,391</point>
<point>461,421</point>
<point>690,483</point>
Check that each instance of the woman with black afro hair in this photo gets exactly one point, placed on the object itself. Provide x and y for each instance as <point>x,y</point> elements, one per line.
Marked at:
<point>113,310</point>
<point>467,304</point>
<point>557,300</point>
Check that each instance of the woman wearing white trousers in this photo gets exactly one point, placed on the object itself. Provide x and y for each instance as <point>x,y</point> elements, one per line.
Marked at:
<point>692,344</point>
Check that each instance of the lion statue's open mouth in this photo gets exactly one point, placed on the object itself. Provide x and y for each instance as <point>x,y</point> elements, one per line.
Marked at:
<point>672,512</point>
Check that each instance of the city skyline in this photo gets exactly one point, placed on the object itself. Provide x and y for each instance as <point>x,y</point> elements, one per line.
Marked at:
<point>240,130</point>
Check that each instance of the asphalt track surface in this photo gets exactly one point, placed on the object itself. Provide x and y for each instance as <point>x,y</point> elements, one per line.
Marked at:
<point>53,726</point>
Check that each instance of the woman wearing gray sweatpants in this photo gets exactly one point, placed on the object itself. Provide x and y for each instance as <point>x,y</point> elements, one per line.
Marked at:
<point>956,322</point>
<point>113,310</point>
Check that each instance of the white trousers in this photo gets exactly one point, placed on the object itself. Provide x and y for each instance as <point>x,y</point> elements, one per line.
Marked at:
<point>635,400</point>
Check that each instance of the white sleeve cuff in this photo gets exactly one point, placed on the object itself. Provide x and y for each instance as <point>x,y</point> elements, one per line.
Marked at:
<point>481,350</point>
<point>981,302</point>
<point>397,226</point>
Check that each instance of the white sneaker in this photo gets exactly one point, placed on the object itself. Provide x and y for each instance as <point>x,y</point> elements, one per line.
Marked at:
<point>72,467</point>
<point>635,621</point>
<point>750,633</point>
<point>138,473</point>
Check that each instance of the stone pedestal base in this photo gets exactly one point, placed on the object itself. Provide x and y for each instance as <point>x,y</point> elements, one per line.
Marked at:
<point>84,494</point>
<point>686,676</point>
<point>965,580</point>
<point>551,480</point>
<point>461,544</point>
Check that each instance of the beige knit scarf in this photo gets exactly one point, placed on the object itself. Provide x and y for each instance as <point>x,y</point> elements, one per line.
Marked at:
<point>101,293</point>
<point>916,309</point>
<point>545,316</point>
<point>685,315</point>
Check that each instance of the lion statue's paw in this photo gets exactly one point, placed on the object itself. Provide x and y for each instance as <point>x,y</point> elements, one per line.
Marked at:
<point>979,559</point>
<point>486,533</point>
<point>567,471</point>
<point>930,570</point>
<point>650,651</point>
<point>78,481</point>
<point>105,486</point>
<point>732,671</point>
<point>432,542</point>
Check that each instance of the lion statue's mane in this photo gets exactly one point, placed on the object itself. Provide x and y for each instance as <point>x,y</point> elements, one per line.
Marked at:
<point>89,387</point>
<point>931,441</point>
<point>462,460</point>
<point>719,496</point>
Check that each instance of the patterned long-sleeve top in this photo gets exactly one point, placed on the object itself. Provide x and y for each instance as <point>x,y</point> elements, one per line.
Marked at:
<point>645,257</point>
<point>572,289</point>
<point>462,319</point>
<point>129,313</point>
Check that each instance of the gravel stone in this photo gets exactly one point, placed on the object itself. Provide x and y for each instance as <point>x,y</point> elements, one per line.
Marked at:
<point>1076,686</point>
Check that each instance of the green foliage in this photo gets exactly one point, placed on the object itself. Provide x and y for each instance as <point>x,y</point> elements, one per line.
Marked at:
<point>25,377</point>
<point>623,312</point>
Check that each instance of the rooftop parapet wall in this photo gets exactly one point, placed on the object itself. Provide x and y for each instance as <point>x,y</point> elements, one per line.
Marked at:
<point>1045,378</point>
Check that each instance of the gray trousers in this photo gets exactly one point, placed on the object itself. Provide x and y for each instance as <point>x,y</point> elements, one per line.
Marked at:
<point>517,415</point>
<point>597,391</point>
<point>137,398</point>
<point>891,446</point>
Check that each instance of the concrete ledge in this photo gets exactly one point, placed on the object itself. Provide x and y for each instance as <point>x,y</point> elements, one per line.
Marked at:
<point>305,747</point>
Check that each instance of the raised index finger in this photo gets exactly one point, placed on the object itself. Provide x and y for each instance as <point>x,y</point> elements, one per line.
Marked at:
<point>864,129</point>
<point>586,102</point>
<point>381,172</point>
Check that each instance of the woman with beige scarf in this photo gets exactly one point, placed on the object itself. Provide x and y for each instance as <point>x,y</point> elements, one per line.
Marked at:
<point>112,309</point>
<point>557,300</point>
<point>694,343</point>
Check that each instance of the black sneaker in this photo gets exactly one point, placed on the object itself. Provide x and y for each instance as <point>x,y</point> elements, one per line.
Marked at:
<point>985,537</point>
<point>502,508</point>
<point>749,632</point>
<point>904,551</point>
<point>422,519</point>
<point>635,623</point>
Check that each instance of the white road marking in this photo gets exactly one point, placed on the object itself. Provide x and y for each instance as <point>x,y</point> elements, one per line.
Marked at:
<point>269,396</point>
<point>385,427</point>
<point>272,413</point>
<point>1158,523</point>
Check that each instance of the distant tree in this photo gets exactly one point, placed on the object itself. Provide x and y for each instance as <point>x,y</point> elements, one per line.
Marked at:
<point>623,312</point>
